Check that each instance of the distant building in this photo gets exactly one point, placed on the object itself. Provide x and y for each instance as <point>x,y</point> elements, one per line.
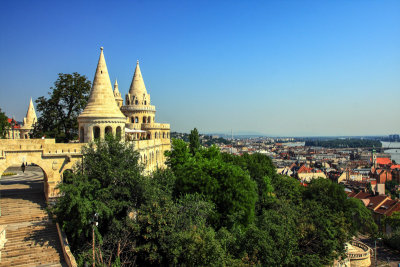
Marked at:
<point>17,131</point>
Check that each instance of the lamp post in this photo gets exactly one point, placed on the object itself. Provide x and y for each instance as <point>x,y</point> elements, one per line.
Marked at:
<point>94,224</point>
<point>376,259</point>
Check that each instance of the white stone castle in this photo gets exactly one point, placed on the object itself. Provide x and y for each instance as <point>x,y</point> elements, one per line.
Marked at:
<point>105,113</point>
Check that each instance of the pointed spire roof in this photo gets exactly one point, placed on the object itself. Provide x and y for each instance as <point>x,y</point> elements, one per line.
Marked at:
<point>137,85</point>
<point>101,101</point>
<point>117,94</point>
<point>31,117</point>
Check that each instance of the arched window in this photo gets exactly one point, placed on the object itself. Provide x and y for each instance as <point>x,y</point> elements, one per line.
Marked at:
<point>145,102</point>
<point>132,120</point>
<point>67,176</point>
<point>163,135</point>
<point>155,135</point>
<point>108,130</point>
<point>81,135</point>
<point>148,119</point>
<point>119,132</point>
<point>96,132</point>
<point>136,120</point>
<point>148,136</point>
<point>136,102</point>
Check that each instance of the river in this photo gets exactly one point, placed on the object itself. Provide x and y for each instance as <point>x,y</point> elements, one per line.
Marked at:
<point>394,153</point>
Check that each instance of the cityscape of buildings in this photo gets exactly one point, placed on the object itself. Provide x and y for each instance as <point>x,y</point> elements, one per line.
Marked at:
<point>310,88</point>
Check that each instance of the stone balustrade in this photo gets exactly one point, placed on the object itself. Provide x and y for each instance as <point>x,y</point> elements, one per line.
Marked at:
<point>68,256</point>
<point>150,126</point>
<point>139,108</point>
<point>362,257</point>
<point>134,126</point>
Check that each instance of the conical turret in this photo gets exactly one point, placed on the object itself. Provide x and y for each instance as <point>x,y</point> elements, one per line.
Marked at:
<point>101,115</point>
<point>101,101</point>
<point>137,92</point>
<point>137,85</point>
<point>30,118</point>
<point>117,95</point>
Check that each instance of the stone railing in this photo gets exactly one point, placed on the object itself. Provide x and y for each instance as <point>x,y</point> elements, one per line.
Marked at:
<point>134,126</point>
<point>48,146</point>
<point>156,125</point>
<point>61,148</point>
<point>362,255</point>
<point>139,108</point>
<point>68,256</point>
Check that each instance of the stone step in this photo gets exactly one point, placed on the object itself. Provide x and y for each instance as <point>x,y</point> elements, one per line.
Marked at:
<point>32,238</point>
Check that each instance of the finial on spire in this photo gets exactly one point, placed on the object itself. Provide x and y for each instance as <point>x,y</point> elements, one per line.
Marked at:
<point>116,83</point>
<point>101,48</point>
<point>137,62</point>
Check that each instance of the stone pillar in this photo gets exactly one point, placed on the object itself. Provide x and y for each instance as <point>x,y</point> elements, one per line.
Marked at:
<point>89,133</point>
<point>102,129</point>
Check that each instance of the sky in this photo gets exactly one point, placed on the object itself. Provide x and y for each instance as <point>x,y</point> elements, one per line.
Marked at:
<point>279,68</point>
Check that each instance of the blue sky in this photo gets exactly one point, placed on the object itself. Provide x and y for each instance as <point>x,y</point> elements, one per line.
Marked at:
<point>289,68</point>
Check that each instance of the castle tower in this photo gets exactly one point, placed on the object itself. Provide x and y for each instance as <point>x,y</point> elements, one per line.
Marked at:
<point>374,158</point>
<point>29,121</point>
<point>137,102</point>
<point>141,125</point>
<point>101,115</point>
<point>117,95</point>
<point>31,117</point>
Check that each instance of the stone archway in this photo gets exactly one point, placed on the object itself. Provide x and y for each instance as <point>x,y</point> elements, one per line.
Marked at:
<point>31,235</point>
<point>52,158</point>
<point>14,165</point>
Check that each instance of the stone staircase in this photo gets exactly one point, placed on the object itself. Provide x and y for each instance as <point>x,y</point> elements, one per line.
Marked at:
<point>32,238</point>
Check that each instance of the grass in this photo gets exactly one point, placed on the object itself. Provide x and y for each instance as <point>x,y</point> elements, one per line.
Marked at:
<point>9,174</point>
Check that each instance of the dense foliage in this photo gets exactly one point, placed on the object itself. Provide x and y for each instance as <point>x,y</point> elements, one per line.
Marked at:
<point>344,143</point>
<point>4,125</point>
<point>206,209</point>
<point>393,238</point>
<point>59,112</point>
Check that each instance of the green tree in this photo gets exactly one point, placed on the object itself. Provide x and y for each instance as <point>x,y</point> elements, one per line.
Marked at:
<point>228,186</point>
<point>393,221</point>
<point>109,183</point>
<point>393,238</point>
<point>177,233</point>
<point>273,239</point>
<point>59,112</point>
<point>261,170</point>
<point>194,141</point>
<point>330,219</point>
<point>4,125</point>
<point>177,156</point>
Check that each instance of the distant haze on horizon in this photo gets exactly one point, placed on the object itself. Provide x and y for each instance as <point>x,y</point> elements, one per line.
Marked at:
<point>280,68</point>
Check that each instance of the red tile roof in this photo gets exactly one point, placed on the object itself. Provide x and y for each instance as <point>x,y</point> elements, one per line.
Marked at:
<point>376,201</point>
<point>16,125</point>
<point>383,161</point>
<point>386,206</point>
<point>394,208</point>
<point>362,195</point>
